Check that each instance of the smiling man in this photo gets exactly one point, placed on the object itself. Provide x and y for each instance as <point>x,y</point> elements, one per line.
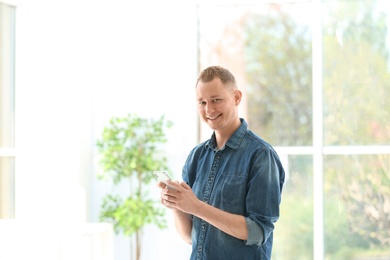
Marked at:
<point>229,199</point>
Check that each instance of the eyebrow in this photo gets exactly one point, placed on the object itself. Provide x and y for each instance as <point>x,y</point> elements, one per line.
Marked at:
<point>212,97</point>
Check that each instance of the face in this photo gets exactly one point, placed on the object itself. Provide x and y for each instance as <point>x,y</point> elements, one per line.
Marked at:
<point>218,105</point>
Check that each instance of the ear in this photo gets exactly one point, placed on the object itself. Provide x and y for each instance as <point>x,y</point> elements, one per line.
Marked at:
<point>237,97</point>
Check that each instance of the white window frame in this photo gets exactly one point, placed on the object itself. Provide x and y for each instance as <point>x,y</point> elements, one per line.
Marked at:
<point>7,207</point>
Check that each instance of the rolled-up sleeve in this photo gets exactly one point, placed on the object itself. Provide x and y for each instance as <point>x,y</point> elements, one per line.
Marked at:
<point>255,233</point>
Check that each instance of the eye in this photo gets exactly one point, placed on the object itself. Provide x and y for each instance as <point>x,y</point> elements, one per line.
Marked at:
<point>202,103</point>
<point>216,100</point>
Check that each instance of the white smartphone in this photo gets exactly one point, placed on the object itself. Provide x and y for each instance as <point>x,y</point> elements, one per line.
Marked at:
<point>163,177</point>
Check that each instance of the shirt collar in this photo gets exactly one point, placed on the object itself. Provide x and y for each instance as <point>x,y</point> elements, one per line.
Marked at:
<point>234,141</point>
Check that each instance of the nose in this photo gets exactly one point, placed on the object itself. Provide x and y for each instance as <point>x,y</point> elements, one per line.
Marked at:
<point>209,108</point>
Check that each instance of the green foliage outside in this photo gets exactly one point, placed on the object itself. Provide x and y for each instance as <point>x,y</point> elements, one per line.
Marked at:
<point>130,149</point>
<point>294,230</point>
<point>356,76</point>
<point>277,54</point>
<point>359,199</point>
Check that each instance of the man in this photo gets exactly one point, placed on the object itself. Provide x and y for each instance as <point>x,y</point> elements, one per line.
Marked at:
<point>229,199</point>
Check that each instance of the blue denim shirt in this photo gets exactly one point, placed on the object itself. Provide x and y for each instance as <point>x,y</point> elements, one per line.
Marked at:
<point>245,177</point>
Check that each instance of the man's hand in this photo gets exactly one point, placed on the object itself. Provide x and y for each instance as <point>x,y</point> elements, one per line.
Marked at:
<point>180,197</point>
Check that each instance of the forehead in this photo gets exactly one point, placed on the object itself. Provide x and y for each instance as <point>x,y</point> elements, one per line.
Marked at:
<point>211,89</point>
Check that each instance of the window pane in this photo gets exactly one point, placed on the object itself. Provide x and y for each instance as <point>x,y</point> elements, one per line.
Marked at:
<point>7,43</point>
<point>268,49</point>
<point>357,206</point>
<point>7,183</point>
<point>294,231</point>
<point>356,73</point>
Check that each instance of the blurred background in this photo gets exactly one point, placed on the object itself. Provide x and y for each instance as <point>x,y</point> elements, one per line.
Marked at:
<point>316,82</point>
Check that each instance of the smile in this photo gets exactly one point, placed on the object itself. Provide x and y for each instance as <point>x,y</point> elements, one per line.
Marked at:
<point>213,118</point>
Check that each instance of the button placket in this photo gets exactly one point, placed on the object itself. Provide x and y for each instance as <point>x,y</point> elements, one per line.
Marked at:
<point>207,193</point>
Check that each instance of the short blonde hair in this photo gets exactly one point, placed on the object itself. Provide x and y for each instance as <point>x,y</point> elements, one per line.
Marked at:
<point>223,74</point>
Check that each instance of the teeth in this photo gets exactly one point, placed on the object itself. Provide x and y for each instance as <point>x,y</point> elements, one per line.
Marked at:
<point>212,118</point>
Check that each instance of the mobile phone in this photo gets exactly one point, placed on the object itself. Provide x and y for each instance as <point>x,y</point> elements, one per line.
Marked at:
<point>163,177</point>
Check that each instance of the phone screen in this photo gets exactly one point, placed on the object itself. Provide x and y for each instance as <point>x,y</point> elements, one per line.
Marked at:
<point>162,176</point>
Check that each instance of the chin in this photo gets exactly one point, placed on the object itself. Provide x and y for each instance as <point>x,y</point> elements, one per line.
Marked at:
<point>213,125</point>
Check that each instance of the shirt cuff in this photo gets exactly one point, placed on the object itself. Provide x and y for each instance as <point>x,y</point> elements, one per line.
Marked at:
<point>255,233</point>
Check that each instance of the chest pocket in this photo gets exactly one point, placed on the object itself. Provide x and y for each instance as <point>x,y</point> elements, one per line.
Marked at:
<point>233,194</point>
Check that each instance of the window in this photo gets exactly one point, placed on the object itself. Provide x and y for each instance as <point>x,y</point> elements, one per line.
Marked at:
<point>7,111</point>
<point>315,77</point>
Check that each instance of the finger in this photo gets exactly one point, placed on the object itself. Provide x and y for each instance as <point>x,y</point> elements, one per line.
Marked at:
<point>167,191</point>
<point>173,184</point>
<point>161,185</point>
<point>185,185</point>
<point>168,204</point>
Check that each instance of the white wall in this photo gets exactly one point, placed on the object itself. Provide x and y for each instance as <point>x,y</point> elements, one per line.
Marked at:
<point>79,62</point>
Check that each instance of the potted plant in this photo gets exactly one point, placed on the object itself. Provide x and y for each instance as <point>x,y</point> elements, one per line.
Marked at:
<point>129,150</point>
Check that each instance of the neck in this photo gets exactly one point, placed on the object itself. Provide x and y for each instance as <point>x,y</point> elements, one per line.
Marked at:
<point>222,136</point>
